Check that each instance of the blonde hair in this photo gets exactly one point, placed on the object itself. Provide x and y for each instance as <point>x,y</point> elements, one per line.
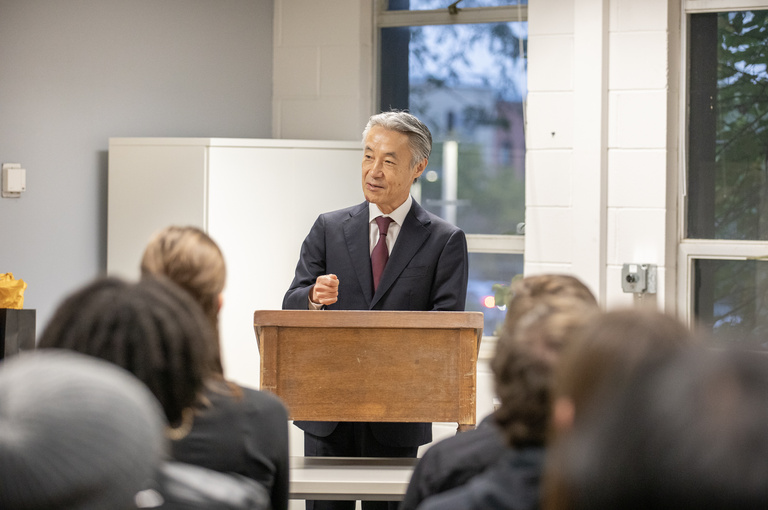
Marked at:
<point>192,260</point>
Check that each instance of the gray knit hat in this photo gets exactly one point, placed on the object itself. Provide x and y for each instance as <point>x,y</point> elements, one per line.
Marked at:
<point>75,432</point>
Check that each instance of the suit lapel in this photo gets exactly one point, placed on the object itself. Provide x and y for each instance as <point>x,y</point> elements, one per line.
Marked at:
<point>412,236</point>
<point>356,234</point>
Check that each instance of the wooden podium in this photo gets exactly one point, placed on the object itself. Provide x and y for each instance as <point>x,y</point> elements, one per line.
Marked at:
<point>371,365</point>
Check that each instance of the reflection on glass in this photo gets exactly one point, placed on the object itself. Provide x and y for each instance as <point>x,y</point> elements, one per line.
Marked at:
<point>422,5</point>
<point>468,84</point>
<point>485,271</point>
<point>730,300</point>
<point>728,126</point>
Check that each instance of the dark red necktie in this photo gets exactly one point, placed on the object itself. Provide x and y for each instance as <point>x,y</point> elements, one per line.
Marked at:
<point>380,254</point>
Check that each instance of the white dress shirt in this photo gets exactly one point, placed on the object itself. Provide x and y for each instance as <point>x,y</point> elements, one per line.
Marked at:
<point>398,217</point>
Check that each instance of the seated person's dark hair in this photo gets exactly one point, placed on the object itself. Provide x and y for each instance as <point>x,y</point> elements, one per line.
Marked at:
<point>454,461</point>
<point>684,432</point>
<point>523,367</point>
<point>524,364</point>
<point>152,328</point>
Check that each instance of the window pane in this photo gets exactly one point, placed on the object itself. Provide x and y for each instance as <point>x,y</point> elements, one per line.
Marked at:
<point>728,126</point>
<point>467,83</point>
<point>731,301</point>
<point>485,271</point>
<point>422,5</point>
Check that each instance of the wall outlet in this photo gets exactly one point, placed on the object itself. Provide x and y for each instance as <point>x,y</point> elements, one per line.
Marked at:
<point>638,278</point>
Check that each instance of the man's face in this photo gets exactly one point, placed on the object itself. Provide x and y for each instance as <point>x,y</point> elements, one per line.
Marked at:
<point>387,171</point>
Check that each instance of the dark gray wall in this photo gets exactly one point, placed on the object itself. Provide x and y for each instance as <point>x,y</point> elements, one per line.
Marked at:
<point>74,73</point>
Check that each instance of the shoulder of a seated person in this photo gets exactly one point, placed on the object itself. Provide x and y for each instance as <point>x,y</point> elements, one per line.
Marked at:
<point>184,486</point>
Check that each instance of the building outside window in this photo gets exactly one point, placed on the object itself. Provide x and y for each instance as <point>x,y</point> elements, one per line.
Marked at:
<point>723,262</point>
<point>462,70</point>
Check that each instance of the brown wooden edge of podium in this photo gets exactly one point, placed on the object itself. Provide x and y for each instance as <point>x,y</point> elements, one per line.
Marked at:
<point>386,366</point>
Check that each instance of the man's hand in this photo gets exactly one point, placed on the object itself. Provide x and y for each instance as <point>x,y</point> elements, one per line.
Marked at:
<point>325,290</point>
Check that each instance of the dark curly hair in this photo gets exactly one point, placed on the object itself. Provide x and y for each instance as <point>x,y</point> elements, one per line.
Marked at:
<point>152,328</point>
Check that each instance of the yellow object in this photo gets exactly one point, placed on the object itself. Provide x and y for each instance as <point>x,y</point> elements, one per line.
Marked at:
<point>11,292</point>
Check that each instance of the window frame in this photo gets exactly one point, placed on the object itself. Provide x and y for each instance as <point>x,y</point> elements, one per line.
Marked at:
<point>383,18</point>
<point>691,249</point>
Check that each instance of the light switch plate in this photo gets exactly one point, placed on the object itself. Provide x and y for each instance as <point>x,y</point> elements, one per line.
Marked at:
<point>14,180</point>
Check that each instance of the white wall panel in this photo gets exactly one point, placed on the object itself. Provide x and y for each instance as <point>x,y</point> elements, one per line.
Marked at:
<point>549,178</point>
<point>629,15</point>
<point>329,45</point>
<point>550,120</point>
<point>636,177</point>
<point>638,119</point>
<point>549,234</point>
<point>551,63</point>
<point>550,17</point>
<point>638,60</point>
<point>636,235</point>
<point>299,74</point>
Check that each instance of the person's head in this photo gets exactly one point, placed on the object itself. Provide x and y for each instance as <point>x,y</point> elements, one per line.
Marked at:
<point>687,431</point>
<point>525,359</point>
<point>611,348</point>
<point>192,260</point>
<point>526,292</point>
<point>396,148</point>
<point>153,329</point>
<point>75,432</point>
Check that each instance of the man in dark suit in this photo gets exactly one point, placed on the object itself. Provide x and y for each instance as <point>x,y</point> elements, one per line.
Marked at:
<point>426,270</point>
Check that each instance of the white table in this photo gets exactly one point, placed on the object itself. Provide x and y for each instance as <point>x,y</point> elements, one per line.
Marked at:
<point>350,478</point>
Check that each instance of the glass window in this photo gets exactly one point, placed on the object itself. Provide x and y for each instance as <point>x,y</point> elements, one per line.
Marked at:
<point>489,276</point>
<point>467,81</point>
<point>723,256</point>
<point>468,84</point>
<point>728,126</point>
<point>731,301</point>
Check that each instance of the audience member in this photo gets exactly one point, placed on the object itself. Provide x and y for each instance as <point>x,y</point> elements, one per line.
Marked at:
<point>612,347</point>
<point>155,330</point>
<point>609,351</point>
<point>453,461</point>
<point>526,357</point>
<point>235,429</point>
<point>77,433</point>
<point>685,432</point>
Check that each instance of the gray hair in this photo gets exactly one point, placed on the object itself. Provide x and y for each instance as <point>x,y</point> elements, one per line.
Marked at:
<point>419,137</point>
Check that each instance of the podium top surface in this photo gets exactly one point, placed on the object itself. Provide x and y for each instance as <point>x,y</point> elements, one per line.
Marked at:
<point>368,319</point>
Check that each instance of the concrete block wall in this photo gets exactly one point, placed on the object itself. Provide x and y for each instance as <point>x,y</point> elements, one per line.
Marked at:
<point>322,69</point>
<point>642,143</point>
<point>602,142</point>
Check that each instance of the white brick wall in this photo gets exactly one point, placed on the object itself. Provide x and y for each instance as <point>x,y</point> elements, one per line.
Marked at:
<point>599,142</point>
<point>322,71</point>
<point>638,142</point>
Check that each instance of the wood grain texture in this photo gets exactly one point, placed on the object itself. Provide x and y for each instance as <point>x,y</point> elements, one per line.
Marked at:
<point>371,365</point>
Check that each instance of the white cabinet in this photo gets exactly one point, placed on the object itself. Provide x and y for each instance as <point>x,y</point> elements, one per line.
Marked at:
<point>256,198</point>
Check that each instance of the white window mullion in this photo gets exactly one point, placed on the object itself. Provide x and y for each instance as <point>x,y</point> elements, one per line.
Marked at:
<point>699,6</point>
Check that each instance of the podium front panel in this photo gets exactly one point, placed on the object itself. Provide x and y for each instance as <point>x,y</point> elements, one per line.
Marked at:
<point>399,367</point>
